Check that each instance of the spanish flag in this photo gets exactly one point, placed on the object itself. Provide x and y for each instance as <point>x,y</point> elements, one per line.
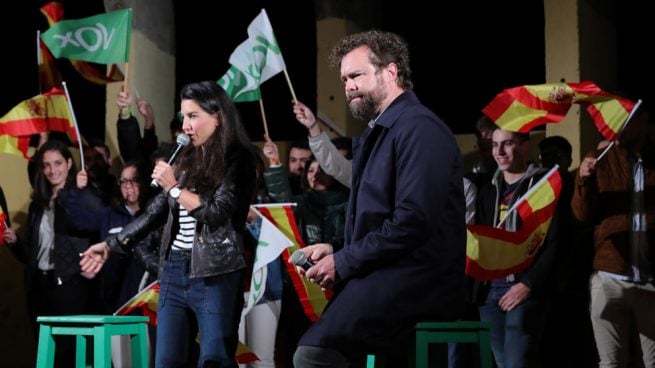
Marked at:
<point>312,298</point>
<point>3,224</point>
<point>54,12</point>
<point>520,109</point>
<point>493,252</point>
<point>146,300</point>
<point>44,112</point>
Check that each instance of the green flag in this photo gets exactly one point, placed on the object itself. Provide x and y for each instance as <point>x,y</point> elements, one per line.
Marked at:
<point>102,38</point>
<point>253,62</point>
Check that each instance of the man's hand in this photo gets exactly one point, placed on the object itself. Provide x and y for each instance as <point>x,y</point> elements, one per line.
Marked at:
<point>94,258</point>
<point>306,117</point>
<point>270,150</point>
<point>516,295</point>
<point>323,273</point>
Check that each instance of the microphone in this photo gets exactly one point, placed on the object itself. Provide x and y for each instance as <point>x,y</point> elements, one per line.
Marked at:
<point>182,141</point>
<point>299,258</point>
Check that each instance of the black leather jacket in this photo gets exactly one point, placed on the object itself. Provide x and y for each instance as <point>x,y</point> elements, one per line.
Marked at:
<point>218,243</point>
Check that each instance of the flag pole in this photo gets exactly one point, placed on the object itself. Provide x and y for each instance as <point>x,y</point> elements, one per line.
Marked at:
<point>38,59</point>
<point>532,189</point>
<point>261,109</point>
<point>627,120</point>
<point>286,75</point>
<point>77,130</point>
<point>125,84</point>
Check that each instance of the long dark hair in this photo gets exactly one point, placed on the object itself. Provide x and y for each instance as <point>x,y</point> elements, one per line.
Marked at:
<point>42,188</point>
<point>207,170</point>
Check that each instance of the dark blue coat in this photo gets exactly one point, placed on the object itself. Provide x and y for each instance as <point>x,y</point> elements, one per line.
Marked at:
<point>404,252</point>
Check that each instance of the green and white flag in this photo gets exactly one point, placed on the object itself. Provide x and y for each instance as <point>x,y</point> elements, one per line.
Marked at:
<point>271,242</point>
<point>253,62</point>
<point>102,38</point>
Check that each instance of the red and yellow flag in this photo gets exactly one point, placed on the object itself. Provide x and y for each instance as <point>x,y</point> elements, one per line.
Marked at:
<point>312,298</point>
<point>49,75</point>
<point>146,300</point>
<point>3,224</point>
<point>493,253</point>
<point>541,195</point>
<point>60,118</point>
<point>44,112</point>
<point>244,355</point>
<point>54,12</point>
<point>520,109</point>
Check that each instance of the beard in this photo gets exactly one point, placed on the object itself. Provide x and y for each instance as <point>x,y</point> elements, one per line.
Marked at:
<point>365,109</point>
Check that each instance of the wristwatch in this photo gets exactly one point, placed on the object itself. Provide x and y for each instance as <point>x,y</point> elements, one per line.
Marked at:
<point>175,192</point>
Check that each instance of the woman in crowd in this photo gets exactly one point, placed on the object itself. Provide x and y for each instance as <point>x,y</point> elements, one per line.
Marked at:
<point>55,284</point>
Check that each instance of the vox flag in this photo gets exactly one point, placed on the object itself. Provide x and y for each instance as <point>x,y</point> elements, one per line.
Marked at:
<point>103,38</point>
<point>253,62</point>
<point>271,242</point>
<point>54,12</point>
<point>520,109</point>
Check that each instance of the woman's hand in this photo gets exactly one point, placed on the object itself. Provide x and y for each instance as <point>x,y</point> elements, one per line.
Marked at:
<point>9,237</point>
<point>82,179</point>
<point>163,173</point>
<point>94,258</point>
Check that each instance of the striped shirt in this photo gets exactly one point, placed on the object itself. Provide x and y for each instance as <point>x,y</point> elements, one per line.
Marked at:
<point>184,238</point>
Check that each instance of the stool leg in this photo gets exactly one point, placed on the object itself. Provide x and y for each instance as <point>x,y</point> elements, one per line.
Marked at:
<point>421,350</point>
<point>139,345</point>
<point>484,343</point>
<point>46,352</point>
<point>80,351</point>
<point>370,361</point>
<point>101,347</point>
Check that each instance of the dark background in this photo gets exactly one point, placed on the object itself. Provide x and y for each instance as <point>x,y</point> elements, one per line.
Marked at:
<point>461,57</point>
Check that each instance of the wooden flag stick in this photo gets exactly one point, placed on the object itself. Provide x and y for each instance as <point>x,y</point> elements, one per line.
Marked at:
<point>125,84</point>
<point>261,108</point>
<point>77,130</point>
<point>293,94</point>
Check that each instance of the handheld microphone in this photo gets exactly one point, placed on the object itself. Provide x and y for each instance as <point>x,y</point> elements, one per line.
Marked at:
<point>182,141</point>
<point>299,259</point>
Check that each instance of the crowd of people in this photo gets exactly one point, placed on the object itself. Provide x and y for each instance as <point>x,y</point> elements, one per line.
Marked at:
<point>384,222</point>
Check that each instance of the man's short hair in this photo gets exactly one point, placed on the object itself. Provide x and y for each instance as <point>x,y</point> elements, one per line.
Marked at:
<point>484,124</point>
<point>556,142</point>
<point>300,144</point>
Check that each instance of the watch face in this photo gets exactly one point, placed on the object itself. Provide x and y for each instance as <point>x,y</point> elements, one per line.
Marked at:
<point>175,192</point>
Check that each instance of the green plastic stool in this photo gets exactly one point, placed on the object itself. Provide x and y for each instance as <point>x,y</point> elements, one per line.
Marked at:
<point>446,332</point>
<point>101,329</point>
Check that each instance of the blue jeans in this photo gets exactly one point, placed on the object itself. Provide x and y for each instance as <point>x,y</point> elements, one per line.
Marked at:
<point>215,302</point>
<point>515,334</point>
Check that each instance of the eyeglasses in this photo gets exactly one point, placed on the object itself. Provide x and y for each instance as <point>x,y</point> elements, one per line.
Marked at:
<point>123,182</point>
